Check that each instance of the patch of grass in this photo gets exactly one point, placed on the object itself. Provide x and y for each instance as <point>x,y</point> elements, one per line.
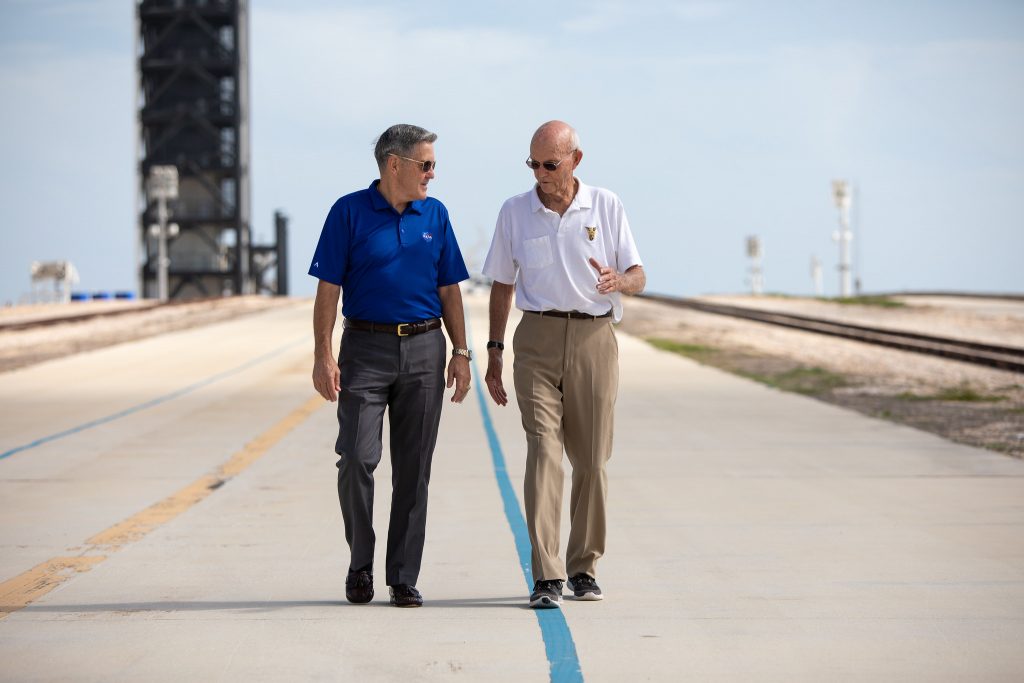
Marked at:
<point>966,394</point>
<point>961,393</point>
<point>763,379</point>
<point>809,381</point>
<point>812,381</point>
<point>695,351</point>
<point>911,396</point>
<point>881,301</point>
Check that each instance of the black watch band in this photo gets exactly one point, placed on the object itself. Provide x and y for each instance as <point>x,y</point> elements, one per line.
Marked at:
<point>496,345</point>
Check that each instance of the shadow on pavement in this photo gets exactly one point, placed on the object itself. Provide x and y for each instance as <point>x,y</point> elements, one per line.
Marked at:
<point>381,600</point>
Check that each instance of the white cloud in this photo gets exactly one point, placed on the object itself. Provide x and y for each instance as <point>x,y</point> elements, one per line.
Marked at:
<point>611,15</point>
<point>337,56</point>
<point>700,11</point>
<point>93,11</point>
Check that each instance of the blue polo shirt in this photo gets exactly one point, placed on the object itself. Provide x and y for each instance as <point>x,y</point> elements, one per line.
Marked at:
<point>389,265</point>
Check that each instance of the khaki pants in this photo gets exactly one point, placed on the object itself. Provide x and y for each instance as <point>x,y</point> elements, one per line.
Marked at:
<point>566,375</point>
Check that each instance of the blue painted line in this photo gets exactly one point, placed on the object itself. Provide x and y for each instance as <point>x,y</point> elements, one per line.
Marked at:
<point>558,642</point>
<point>154,402</point>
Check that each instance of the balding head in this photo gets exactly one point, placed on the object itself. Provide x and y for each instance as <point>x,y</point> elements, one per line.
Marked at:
<point>557,134</point>
<point>554,155</point>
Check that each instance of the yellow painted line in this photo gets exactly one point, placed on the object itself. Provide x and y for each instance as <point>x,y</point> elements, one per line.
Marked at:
<point>33,584</point>
<point>40,580</point>
<point>141,523</point>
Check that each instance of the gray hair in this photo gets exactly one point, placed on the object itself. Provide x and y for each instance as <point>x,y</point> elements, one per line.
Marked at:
<point>575,139</point>
<point>400,139</point>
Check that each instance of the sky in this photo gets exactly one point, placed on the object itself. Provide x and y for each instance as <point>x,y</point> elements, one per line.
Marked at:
<point>712,120</point>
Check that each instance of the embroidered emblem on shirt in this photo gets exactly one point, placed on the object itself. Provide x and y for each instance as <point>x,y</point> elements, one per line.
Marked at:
<point>427,236</point>
<point>591,233</point>
<point>316,264</point>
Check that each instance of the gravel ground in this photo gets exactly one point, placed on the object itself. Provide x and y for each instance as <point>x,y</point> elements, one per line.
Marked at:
<point>36,312</point>
<point>993,321</point>
<point>19,348</point>
<point>965,403</point>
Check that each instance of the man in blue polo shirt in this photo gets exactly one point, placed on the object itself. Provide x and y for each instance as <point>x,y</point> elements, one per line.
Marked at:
<point>393,253</point>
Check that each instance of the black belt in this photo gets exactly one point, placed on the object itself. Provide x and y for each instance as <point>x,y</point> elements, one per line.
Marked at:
<point>575,315</point>
<point>401,329</point>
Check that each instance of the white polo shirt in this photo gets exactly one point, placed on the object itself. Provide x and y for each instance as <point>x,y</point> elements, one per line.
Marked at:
<point>547,256</point>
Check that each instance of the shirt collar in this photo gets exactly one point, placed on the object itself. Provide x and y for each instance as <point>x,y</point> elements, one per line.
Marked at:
<point>584,198</point>
<point>380,204</point>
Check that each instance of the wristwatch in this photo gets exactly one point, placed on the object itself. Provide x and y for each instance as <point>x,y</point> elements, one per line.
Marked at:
<point>495,345</point>
<point>463,352</point>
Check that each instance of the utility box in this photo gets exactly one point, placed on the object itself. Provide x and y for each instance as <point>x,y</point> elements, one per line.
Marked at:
<point>52,281</point>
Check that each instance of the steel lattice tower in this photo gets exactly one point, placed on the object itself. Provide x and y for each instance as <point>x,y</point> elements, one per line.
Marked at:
<point>193,108</point>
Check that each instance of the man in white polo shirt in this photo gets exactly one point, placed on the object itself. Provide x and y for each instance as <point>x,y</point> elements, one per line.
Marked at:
<point>564,249</point>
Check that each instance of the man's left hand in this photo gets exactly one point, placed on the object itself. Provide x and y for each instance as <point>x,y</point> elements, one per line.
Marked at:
<point>608,279</point>
<point>458,374</point>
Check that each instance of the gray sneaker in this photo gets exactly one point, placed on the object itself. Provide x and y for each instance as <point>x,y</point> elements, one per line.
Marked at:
<point>584,587</point>
<point>546,594</point>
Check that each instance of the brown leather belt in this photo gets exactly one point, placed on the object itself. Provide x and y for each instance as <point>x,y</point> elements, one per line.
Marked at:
<point>400,329</point>
<point>575,315</point>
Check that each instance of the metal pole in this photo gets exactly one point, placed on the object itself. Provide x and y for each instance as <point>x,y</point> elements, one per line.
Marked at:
<point>841,194</point>
<point>819,288</point>
<point>756,274</point>
<point>281,242</point>
<point>756,277</point>
<point>162,261</point>
<point>162,185</point>
<point>845,287</point>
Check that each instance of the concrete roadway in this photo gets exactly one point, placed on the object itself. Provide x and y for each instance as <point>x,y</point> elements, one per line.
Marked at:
<point>169,513</point>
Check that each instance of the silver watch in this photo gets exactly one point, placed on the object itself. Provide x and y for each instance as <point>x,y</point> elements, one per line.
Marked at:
<point>463,352</point>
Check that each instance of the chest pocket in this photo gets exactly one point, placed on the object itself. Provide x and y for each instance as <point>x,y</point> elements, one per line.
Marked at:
<point>537,252</point>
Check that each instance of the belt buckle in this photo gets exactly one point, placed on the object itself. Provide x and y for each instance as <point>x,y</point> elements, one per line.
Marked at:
<point>398,329</point>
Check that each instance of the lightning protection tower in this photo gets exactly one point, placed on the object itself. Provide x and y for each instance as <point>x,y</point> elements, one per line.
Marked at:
<point>193,114</point>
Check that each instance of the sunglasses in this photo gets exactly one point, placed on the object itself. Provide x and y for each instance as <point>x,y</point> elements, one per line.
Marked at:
<point>548,165</point>
<point>425,166</point>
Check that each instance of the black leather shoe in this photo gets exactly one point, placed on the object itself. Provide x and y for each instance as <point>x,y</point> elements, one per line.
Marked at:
<point>404,595</point>
<point>359,587</point>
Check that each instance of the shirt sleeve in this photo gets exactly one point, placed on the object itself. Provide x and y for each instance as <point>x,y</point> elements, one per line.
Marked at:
<point>499,264</point>
<point>451,267</point>
<point>330,260</point>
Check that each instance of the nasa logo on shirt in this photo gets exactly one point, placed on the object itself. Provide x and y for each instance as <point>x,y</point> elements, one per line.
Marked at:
<point>427,236</point>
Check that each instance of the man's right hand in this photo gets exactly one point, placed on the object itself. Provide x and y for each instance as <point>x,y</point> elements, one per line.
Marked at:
<point>326,375</point>
<point>492,379</point>
<point>327,378</point>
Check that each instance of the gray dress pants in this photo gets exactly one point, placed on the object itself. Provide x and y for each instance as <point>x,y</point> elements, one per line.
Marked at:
<point>406,376</point>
